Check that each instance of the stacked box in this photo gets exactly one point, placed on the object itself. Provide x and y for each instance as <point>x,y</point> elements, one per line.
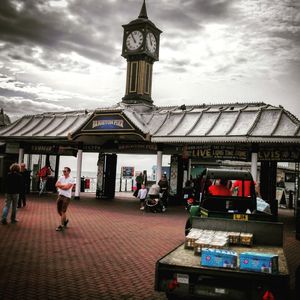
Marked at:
<point>259,262</point>
<point>234,238</point>
<point>246,239</point>
<point>190,239</point>
<point>203,242</point>
<point>219,258</point>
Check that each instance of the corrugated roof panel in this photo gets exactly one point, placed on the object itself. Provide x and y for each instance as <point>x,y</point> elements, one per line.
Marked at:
<point>266,123</point>
<point>285,127</point>
<point>14,129</point>
<point>57,121</point>
<point>60,131</point>
<point>185,125</point>
<point>169,125</point>
<point>27,131</point>
<point>155,122</point>
<point>46,123</point>
<point>223,124</point>
<point>204,124</point>
<point>244,123</point>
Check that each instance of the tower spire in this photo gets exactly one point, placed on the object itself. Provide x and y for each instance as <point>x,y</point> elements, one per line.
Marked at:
<point>143,13</point>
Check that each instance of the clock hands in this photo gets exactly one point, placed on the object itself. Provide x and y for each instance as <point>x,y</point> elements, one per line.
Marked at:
<point>133,37</point>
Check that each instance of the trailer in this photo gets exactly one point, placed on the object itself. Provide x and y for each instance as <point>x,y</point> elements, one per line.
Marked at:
<point>180,273</point>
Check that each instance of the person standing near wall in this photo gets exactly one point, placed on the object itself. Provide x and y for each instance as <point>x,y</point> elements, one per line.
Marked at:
<point>22,196</point>
<point>139,181</point>
<point>64,184</point>
<point>13,188</point>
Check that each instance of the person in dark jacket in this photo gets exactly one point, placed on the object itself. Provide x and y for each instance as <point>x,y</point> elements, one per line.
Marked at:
<point>25,174</point>
<point>13,189</point>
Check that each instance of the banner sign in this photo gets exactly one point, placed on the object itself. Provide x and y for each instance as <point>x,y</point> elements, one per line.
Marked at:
<point>41,149</point>
<point>137,146</point>
<point>285,154</point>
<point>217,152</point>
<point>108,122</point>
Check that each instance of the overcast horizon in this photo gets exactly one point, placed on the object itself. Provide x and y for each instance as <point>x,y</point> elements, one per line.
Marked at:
<point>61,55</point>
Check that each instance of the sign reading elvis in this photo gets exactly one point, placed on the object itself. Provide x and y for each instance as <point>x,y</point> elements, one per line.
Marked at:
<point>115,122</point>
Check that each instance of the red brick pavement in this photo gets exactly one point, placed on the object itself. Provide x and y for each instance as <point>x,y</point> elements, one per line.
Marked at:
<point>108,252</point>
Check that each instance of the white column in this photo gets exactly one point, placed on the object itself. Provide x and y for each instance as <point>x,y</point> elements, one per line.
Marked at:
<point>21,155</point>
<point>254,166</point>
<point>78,174</point>
<point>159,166</point>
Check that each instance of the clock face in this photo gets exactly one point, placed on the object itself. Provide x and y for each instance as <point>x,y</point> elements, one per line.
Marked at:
<point>151,42</point>
<point>134,40</point>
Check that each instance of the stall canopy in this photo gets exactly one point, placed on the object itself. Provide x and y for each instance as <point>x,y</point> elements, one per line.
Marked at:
<point>199,124</point>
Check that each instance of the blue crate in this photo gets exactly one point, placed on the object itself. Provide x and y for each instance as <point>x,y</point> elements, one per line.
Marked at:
<point>259,262</point>
<point>217,258</point>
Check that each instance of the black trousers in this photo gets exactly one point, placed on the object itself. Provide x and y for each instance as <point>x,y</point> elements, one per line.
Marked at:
<point>22,199</point>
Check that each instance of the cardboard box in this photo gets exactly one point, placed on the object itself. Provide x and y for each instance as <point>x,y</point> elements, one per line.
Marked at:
<point>259,262</point>
<point>218,258</point>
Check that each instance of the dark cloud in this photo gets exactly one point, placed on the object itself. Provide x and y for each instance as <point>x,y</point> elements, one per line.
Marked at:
<point>11,106</point>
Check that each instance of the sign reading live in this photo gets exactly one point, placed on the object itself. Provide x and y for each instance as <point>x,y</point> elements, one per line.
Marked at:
<point>217,152</point>
<point>283,154</point>
<point>108,122</point>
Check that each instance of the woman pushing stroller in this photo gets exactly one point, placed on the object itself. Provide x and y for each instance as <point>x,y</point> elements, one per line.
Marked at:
<point>157,199</point>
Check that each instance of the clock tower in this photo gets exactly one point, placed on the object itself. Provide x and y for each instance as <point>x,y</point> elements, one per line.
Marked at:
<point>141,50</point>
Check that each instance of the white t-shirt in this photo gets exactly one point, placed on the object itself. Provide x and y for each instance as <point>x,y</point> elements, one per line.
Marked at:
<point>64,180</point>
<point>142,194</point>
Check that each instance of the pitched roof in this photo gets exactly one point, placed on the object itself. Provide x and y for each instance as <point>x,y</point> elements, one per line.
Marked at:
<point>58,125</point>
<point>218,123</point>
<point>221,123</point>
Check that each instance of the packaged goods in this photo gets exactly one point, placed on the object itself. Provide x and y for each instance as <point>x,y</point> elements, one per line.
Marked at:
<point>259,262</point>
<point>234,238</point>
<point>246,239</point>
<point>218,258</point>
<point>203,242</point>
<point>190,239</point>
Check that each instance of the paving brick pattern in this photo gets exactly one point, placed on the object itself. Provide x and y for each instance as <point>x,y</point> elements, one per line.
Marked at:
<point>108,252</point>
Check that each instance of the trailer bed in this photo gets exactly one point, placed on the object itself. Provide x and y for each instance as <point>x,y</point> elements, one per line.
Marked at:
<point>185,258</point>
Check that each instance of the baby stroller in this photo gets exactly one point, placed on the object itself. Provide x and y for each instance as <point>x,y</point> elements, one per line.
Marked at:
<point>154,202</point>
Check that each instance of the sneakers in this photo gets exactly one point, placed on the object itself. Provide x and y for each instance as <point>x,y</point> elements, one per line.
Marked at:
<point>66,223</point>
<point>4,222</point>
<point>163,209</point>
<point>14,221</point>
<point>142,208</point>
<point>60,228</point>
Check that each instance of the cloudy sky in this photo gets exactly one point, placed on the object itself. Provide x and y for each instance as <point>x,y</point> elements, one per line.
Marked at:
<point>60,55</point>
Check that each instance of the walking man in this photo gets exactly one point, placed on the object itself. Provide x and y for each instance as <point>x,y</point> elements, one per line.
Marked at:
<point>13,188</point>
<point>64,185</point>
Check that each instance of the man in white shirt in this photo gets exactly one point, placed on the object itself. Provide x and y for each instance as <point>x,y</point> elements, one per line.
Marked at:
<point>64,185</point>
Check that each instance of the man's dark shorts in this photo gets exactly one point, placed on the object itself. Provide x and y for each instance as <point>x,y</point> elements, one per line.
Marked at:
<point>62,204</point>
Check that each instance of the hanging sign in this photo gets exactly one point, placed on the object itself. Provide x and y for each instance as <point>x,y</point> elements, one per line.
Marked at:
<point>108,122</point>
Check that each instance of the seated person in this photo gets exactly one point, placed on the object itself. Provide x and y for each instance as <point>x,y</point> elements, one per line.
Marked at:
<point>188,190</point>
<point>219,188</point>
<point>239,185</point>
